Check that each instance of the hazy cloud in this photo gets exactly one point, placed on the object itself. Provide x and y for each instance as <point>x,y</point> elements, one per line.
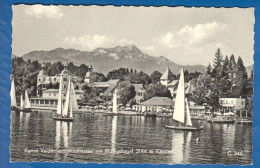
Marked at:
<point>41,11</point>
<point>196,35</point>
<point>92,42</point>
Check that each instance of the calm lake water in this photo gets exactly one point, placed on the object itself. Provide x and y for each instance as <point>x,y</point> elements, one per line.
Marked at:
<point>125,139</point>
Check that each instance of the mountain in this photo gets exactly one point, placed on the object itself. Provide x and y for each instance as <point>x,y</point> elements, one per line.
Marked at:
<point>107,59</point>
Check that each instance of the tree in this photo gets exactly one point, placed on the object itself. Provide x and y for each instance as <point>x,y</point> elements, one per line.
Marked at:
<point>218,62</point>
<point>99,77</point>
<point>138,78</point>
<point>232,66</point>
<point>202,90</point>
<point>240,79</point>
<point>225,82</point>
<point>157,90</point>
<point>126,92</point>
<point>209,69</point>
<point>155,77</point>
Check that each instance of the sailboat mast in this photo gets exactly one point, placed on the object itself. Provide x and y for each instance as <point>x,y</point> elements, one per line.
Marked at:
<point>115,102</point>
<point>70,102</point>
<point>59,105</point>
<point>21,101</point>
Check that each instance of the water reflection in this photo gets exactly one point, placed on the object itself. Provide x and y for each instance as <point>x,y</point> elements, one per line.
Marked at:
<point>187,146</point>
<point>177,147</point>
<point>39,130</point>
<point>113,134</point>
<point>58,134</point>
<point>181,144</point>
<point>26,120</point>
<point>63,134</point>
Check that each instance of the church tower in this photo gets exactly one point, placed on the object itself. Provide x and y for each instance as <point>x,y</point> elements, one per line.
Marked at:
<point>41,78</point>
<point>167,77</point>
<point>89,77</point>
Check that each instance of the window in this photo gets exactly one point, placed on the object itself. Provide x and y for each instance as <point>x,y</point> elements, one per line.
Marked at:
<point>39,79</point>
<point>242,102</point>
<point>49,79</point>
<point>64,79</point>
<point>54,79</point>
<point>64,87</point>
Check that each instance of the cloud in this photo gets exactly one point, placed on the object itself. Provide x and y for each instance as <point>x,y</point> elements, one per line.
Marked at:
<point>192,36</point>
<point>41,11</point>
<point>92,42</point>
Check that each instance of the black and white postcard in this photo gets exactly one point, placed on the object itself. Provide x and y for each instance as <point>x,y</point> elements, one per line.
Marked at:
<point>106,84</point>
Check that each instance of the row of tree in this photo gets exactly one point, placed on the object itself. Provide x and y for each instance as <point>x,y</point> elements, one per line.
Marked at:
<point>25,74</point>
<point>226,78</point>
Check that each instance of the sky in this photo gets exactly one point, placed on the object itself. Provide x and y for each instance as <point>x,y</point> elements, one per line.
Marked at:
<point>186,36</point>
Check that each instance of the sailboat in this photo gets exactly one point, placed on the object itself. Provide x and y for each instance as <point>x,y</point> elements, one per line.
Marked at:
<point>114,108</point>
<point>13,97</point>
<point>64,113</point>
<point>25,105</point>
<point>21,102</point>
<point>182,117</point>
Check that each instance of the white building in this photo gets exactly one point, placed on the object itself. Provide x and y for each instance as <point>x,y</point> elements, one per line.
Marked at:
<point>232,104</point>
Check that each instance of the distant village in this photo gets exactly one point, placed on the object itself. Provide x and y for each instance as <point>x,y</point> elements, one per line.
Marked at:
<point>138,96</point>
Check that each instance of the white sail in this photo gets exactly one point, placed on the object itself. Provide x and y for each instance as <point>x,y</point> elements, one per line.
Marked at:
<point>70,105</point>
<point>12,94</point>
<point>67,102</point>
<point>74,102</point>
<point>27,103</point>
<point>59,105</point>
<point>188,119</point>
<point>115,102</point>
<point>21,102</point>
<point>179,107</point>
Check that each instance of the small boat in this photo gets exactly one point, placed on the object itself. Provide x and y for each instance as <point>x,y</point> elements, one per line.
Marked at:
<point>180,115</point>
<point>222,120</point>
<point>13,98</point>
<point>64,113</point>
<point>198,117</point>
<point>244,121</point>
<point>185,128</point>
<point>150,115</point>
<point>27,105</point>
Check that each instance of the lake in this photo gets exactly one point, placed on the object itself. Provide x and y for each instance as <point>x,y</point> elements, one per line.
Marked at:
<point>125,139</point>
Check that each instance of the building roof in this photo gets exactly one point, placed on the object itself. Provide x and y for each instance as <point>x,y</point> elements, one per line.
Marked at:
<point>173,83</point>
<point>168,75</point>
<point>57,90</point>
<point>100,84</point>
<point>113,81</point>
<point>106,84</point>
<point>110,89</point>
<point>187,88</point>
<point>158,101</point>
